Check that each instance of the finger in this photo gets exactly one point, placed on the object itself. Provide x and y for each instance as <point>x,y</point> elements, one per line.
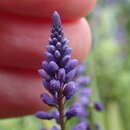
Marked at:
<point>69,9</point>
<point>23,42</point>
<point>20,92</point>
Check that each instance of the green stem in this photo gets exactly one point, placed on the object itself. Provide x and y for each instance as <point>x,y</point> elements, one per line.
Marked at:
<point>113,117</point>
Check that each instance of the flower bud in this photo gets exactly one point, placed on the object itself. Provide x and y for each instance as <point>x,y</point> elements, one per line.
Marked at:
<point>55,85</point>
<point>68,51</point>
<point>61,74</point>
<point>70,75</point>
<point>71,64</point>
<point>58,45</point>
<point>44,115</point>
<point>51,48</point>
<point>50,101</point>
<point>53,67</point>
<point>65,60</point>
<point>56,19</point>
<point>57,54</point>
<point>43,74</point>
<point>49,56</point>
<point>69,90</point>
<point>98,106</point>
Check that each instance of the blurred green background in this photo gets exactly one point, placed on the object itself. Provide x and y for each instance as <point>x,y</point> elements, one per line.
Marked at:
<point>108,66</point>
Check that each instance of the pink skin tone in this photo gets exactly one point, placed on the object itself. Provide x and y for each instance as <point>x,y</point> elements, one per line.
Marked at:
<point>24,32</point>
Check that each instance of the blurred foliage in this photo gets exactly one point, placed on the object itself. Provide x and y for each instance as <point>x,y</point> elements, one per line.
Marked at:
<point>108,65</point>
<point>109,61</point>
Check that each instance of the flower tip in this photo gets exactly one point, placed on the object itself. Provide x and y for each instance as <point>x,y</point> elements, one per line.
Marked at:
<point>55,13</point>
<point>56,19</point>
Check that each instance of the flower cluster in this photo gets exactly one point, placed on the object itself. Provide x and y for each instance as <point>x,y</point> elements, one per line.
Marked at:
<point>58,74</point>
<point>61,78</point>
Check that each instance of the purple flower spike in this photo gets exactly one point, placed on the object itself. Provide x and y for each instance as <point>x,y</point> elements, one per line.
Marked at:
<point>69,90</point>
<point>44,115</point>
<point>48,100</point>
<point>59,75</point>
<point>98,106</point>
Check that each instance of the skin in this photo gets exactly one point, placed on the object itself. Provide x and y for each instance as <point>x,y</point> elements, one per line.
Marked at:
<point>24,32</point>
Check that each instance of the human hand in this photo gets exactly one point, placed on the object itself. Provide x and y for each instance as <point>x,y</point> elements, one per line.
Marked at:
<point>24,32</point>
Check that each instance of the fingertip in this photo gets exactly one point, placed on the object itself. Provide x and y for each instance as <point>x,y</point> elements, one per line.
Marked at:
<point>69,9</point>
<point>80,38</point>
